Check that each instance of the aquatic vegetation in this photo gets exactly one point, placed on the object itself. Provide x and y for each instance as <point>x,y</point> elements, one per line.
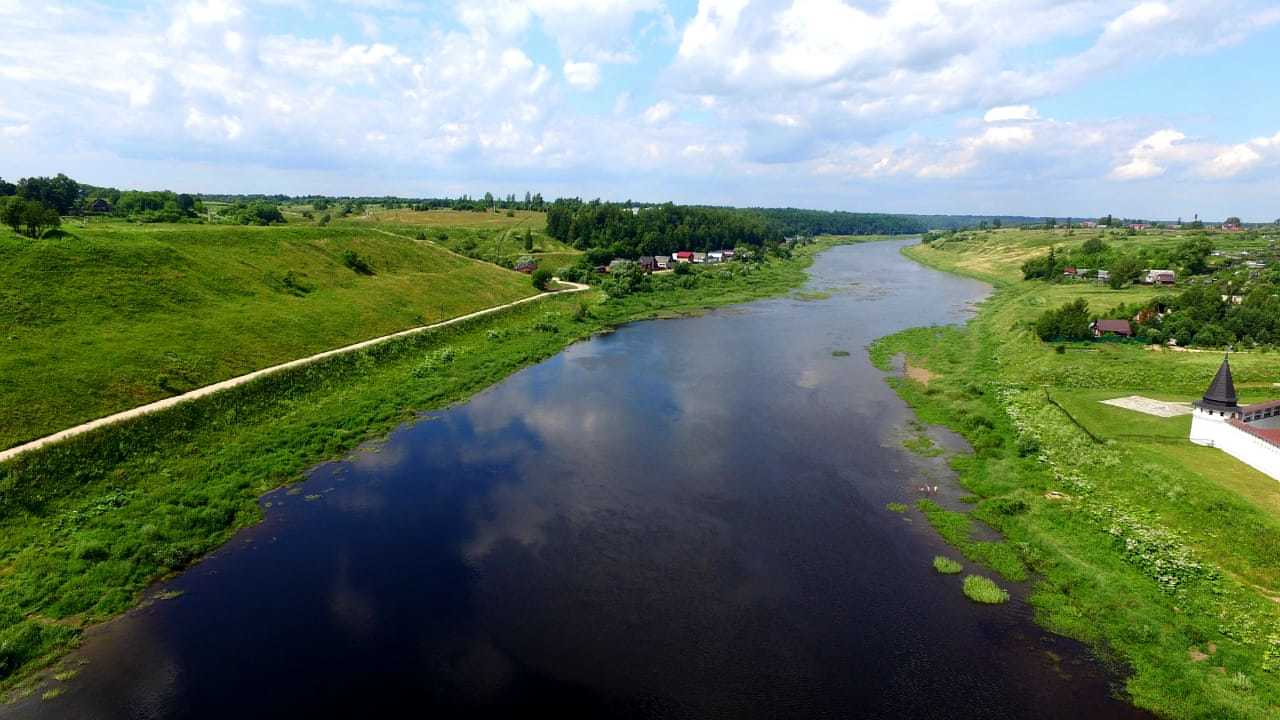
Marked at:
<point>946,565</point>
<point>896,507</point>
<point>839,353</point>
<point>983,590</point>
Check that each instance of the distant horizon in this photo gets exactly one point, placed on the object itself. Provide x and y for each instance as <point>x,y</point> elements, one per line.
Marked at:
<point>1153,106</point>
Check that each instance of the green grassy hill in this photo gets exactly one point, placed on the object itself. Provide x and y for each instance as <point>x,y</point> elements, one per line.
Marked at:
<point>114,315</point>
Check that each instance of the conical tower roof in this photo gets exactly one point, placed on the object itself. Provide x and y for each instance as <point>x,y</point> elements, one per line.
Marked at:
<point>1221,394</point>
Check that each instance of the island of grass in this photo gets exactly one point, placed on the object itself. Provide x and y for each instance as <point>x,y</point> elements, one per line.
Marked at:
<point>946,565</point>
<point>983,590</point>
<point>1138,542</point>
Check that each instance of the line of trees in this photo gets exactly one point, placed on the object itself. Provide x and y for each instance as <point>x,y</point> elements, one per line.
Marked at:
<point>616,231</point>
<point>1190,257</point>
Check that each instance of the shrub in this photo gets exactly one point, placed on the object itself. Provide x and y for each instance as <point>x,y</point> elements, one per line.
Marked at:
<point>548,323</point>
<point>983,590</point>
<point>683,268</point>
<point>582,311</point>
<point>946,565</point>
<point>541,278</point>
<point>352,259</point>
<point>434,361</point>
<point>1069,322</point>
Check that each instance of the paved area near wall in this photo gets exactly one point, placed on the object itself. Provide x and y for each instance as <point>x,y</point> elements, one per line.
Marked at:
<point>1159,408</point>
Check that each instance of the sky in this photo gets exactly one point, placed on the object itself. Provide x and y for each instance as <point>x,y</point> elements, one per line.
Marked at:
<point>1153,109</point>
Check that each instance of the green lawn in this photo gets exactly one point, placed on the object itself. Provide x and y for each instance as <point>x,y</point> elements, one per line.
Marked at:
<point>1143,544</point>
<point>493,237</point>
<point>115,314</point>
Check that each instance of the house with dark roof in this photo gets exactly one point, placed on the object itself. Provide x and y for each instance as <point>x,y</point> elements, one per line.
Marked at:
<point>648,263</point>
<point>1103,328</point>
<point>1249,433</point>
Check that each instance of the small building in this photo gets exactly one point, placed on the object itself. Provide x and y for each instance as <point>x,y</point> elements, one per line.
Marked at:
<point>617,263</point>
<point>727,255</point>
<point>527,266</point>
<point>699,258</point>
<point>715,257</point>
<point>1069,272</point>
<point>1251,433</point>
<point>684,256</point>
<point>648,263</point>
<point>100,205</point>
<point>1159,277</point>
<point>1102,328</point>
<point>1104,276</point>
<point>662,262</point>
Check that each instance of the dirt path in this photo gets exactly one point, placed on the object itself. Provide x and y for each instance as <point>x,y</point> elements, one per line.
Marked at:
<point>159,405</point>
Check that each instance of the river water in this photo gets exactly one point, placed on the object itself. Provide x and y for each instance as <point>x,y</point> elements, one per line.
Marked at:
<point>685,518</point>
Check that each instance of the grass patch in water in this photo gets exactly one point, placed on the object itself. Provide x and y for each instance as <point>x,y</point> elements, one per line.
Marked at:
<point>946,565</point>
<point>896,507</point>
<point>922,445</point>
<point>983,590</point>
<point>839,353</point>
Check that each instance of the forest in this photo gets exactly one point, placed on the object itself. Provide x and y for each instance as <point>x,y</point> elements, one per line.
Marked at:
<point>633,232</point>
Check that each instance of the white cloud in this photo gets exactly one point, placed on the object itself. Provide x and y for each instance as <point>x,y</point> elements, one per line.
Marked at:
<point>1242,158</point>
<point>1011,113</point>
<point>1147,159</point>
<point>659,112</point>
<point>582,75</point>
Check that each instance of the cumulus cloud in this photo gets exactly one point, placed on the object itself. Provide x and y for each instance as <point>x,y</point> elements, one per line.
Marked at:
<point>582,75</point>
<point>1148,158</point>
<point>659,112</point>
<point>1011,113</point>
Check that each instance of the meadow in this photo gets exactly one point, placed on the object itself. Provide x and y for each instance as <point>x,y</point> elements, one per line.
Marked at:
<point>492,237</point>
<point>110,315</point>
<point>1159,553</point>
<point>87,525</point>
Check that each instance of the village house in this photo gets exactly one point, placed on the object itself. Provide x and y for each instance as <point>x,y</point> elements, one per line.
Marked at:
<point>1249,433</point>
<point>727,255</point>
<point>1159,277</point>
<point>617,263</point>
<point>648,263</point>
<point>662,262</point>
<point>683,256</point>
<point>526,266</point>
<point>1104,276</point>
<point>715,257</point>
<point>1102,328</point>
<point>699,258</point>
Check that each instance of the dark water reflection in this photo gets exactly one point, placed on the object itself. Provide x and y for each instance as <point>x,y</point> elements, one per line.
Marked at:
<point>682,519</point>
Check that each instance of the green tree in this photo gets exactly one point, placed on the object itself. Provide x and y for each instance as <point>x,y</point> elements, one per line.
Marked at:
<point>528,240</point>
<point>1124,270</point>
<point>541,278</point>
<point>1069,322</point>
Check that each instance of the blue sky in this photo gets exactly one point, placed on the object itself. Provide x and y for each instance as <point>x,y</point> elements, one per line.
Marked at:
<point>1162,108</point>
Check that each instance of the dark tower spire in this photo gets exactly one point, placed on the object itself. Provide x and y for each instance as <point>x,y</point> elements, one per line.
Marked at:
<point>1221,394</point>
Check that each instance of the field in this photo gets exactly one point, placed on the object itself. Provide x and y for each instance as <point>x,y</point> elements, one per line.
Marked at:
<point>1159,553</point>
<point>492,237</point>
<point>87,525</point>
<point>115,315</point>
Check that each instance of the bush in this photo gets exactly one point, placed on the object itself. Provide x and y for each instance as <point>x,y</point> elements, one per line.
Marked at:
<point>541,278</point>
<point>946,565</point>
<point>683,268</point>
<point>983,590</point>
<point>352,259</point>
<point>1069,322</point>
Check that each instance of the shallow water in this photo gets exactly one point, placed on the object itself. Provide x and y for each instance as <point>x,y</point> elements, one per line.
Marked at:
<point>684,518</point>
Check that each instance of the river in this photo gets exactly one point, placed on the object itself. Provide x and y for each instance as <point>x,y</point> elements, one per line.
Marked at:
<point>684,518</point>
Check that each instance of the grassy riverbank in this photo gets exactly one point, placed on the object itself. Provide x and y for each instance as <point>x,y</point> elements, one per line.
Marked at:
<point>112,315</point>
<point>1159,553</point>
<point>87,525</point>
